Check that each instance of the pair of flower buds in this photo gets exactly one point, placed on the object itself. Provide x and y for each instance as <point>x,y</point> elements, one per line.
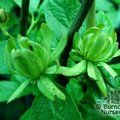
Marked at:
<point>95,48</point>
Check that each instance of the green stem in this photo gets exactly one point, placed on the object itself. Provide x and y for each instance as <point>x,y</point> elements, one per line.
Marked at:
<point>90,21</point>
<point>34,22</point>
<point>24,15</point>
<point>6,33</point>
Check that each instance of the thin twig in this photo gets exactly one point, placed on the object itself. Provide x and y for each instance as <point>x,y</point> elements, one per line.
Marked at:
<point>33,23</point>
<point>24,15</point>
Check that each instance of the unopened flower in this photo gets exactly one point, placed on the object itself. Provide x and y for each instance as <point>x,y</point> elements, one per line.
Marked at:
<point>94,49</point>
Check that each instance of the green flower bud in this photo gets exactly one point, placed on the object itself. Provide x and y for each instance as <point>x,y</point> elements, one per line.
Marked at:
<point>36,48</point>
<point>97,45</point>
<point>31,59</point>
<point>27,63</point>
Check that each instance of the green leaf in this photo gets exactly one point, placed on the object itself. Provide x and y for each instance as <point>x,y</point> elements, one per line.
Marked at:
<point>45,34</point>
<point>117,54</point>
<point>18,2</point>
<point>60,47</point>
<point>109,69</point>
<point>19,90</point>
<point>73,71</point>
<point>117,1</point>
<point>52,70</point>
<point>104,19</point>
<point>26,115</point>
<point>3,66</point>
<point>116,67</point>
<point>104,5</point>
<point>47,88</point>
<point>90,113</point>
<point>91,71</point>
<point>10,45</point>
<point>114,16</point>
<point>60,14</point>
<point>7,7</point>
<point>45,109</point>
<point>112,82</point>
<point>8,48</point>
<point>33,5</point>
<point>110,10</point>
<point>100,82</point>
<point>95,74</point>
<point>7,88</point>
<point>75,90</point>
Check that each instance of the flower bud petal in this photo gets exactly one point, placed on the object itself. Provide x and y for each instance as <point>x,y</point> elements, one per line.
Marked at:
<point>27,63</point>
<point>41,52</point>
